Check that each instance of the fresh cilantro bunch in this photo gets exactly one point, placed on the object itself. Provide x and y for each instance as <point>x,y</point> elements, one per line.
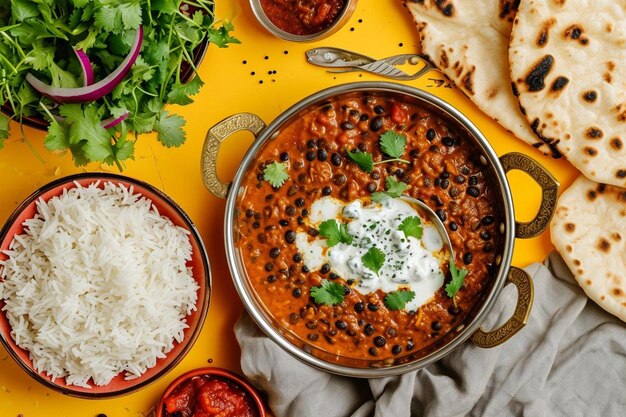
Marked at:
<point>37,36</point>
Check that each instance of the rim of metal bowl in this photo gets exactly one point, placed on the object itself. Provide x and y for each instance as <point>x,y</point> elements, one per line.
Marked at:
<point>255,308</point>
<point>339,21</point>
<point>203,311</point>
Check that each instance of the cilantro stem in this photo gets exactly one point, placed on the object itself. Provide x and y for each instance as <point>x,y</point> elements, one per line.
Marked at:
<point>185,53</point>
<point>392,160</point>
<point>178,12</point>
<point>14,44</point>
<point>9,63</point>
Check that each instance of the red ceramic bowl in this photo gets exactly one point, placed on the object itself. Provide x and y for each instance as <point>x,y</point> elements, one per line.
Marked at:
<point>199,263</point>
<point>217,373</point>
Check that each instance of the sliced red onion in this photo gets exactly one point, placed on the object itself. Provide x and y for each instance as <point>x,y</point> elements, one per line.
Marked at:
<point>114,121</point>
<point>95,91</point>
<point>85,64</point>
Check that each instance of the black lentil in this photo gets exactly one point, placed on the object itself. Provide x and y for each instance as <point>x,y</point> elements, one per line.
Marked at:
<point>371,187</point>
<point>300,202</point>
<point>300,220</point>
<point>332,275</point>
<point>269,266</point>
<point>322,155</point>
<point>473,180</point>
<point>335,158</point>
<point>341,325</point>
<point>339,179</point>
<point>313,336</point>
<point>346,290</point>
<point>310,155</point>
<point>373,351</point>
<point>396,349</point>
<point>445,184</point>
<point>297,292</point>
<point>410,346</point>
<point>467,258</point>
<point>436,326</point>
<point>359,307</point>
<point>459,179</point>
<point>294,318</point>
<point>485,235</point>
<point>487,220</point>
<point>325,269</point>
<point>453,226</point>
<point>311,143</point>
<point>377,123</point>
<point>346,126</point>
<point>454,310</point>
<point>284,156</point>
<point>447,141</point>
<point>441,214</point>
<point>271,278</point>
<point>327,190</point>
<point>274,252</point>
<point>256,225</point>
<point>445,175</point>
<point>305,212</point>
<point>290,236</point>
<point>297,258</point>
<point>372,307</point>
<point>473,191</point>
<point>369,329</point>
<point>488,248</point>
<point>249,213</point>
<point>380,341</point>
<point>379,109</point>
<point>290,210</point>
<point>283,222</point>
<point>305,269</point>
<point>430,134</point>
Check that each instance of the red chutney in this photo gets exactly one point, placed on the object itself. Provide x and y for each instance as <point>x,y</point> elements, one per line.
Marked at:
<point>207,396</point>
<point>302,17</point>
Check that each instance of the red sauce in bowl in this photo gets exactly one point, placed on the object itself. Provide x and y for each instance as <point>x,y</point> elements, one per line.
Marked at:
<point>302,17</point>
<point>209,396</point>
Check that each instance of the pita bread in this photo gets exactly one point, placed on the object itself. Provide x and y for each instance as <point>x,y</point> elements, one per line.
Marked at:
<point>568,64</point>
<point>468,41</point>
<point>589,231</point>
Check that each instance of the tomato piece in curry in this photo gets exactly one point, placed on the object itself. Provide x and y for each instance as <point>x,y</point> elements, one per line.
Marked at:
<point>445,171</point>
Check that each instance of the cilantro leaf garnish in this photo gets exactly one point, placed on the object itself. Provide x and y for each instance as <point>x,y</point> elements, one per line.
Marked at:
<point>393,144</point>
<point>335,232</point>
<point>364,160</point>
<point>411,226</point>
<point>373,259</point>
<point>170,129</point>
<point>458,277</point>
<point>329,293</point>
<point>397,300</point>
<point>276,174</point>
<point>394,187</point>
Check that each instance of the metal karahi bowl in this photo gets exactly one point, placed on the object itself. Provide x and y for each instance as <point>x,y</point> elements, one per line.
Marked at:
<point>338,23</point>
<point>199,263</point>
<point>509,229</point>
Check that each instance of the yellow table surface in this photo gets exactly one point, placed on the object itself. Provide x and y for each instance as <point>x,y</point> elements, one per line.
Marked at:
<point>237,79</point>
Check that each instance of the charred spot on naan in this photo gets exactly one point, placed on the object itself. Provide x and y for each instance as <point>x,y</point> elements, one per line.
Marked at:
<point>544,34</point>
<point>604,245</point>
<point>468,82</point>
<point>508,9</point>
<point>594,133</point>
<point>617,144</point>
<point>590,150</point>
<point>550,142</point>
<point>620,109</point>
<point>575,32</point>
<point>620,173</point>
<point>558,84</point>
<point>590,96</point>
<point>535,79</point>
<point>570,227</point>
<point>616,237</point>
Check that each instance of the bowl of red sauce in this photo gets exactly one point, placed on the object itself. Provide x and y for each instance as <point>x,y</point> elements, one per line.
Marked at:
<point>210,392</point>
<point>302,20</point>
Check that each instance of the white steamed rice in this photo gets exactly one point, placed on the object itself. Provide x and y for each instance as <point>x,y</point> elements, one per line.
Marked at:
<point>97,285</point>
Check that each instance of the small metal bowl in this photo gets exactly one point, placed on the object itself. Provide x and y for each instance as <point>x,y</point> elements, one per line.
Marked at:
<point>199,263</point>
<point>340,20</point>
<point>217,373</point>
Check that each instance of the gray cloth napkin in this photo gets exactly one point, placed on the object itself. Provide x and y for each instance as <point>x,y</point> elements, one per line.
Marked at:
<point>569,360</point>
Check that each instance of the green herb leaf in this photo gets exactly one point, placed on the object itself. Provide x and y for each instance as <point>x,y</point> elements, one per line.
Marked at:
<point>397,300</point>
<point>411,226</point>
<point>335,232</point>
<point>221,36</point>
<point>170,129</point>
<point>276,174</point>
<point>458,277</point>
<point>329,293</point>
<point>393,144</point>
<point>364,160</point>
<point>373,259</point>
<point>179,94</point>
<point>4,129</point>
<point>394,187</point>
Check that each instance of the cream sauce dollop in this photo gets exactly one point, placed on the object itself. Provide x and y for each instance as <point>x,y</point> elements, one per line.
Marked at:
<point>410,263</point>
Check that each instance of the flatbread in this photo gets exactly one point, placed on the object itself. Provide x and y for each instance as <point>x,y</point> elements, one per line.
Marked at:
<point>589,231</point>
<point>568,64</point>
<point>468,41</point>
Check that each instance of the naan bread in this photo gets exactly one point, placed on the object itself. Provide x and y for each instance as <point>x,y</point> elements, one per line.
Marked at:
<point>468,41</point>
<point>589,231</point>
<point>568,65</point>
